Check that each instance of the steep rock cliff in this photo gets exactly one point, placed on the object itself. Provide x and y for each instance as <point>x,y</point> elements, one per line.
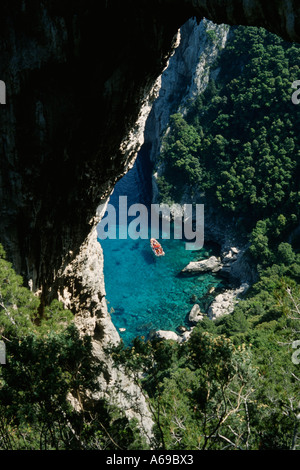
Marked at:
<point>186,76</point>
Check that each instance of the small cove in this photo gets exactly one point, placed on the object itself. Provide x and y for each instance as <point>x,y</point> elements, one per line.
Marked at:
<point>143,292</point>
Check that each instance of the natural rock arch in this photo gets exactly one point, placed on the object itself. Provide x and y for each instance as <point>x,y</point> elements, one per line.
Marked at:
<point>80,77</point>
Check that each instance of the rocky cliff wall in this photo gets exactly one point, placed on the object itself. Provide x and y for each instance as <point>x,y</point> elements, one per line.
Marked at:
<point>186,76</point>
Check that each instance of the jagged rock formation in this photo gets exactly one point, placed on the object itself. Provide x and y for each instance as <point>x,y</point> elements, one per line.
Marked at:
<point>212,264</point>
<point>80,78</point>
<point>224,303</point>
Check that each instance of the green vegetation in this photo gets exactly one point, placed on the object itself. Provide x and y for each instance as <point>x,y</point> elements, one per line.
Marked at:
<point>234,384</point>
<point>49,366</point>
<point>240,140</point>
<point>212,35</point>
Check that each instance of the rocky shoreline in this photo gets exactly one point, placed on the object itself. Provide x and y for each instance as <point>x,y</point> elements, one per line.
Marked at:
<point>233,265</point>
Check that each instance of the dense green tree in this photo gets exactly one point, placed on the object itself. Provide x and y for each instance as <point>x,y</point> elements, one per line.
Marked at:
<point>286,255</point>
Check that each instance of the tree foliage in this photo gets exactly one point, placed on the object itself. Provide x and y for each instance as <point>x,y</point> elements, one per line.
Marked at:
<point>239,141</point>
<point>49,375</point>
<point>234,384</point>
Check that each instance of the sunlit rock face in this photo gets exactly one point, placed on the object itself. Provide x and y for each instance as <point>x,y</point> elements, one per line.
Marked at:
<point>186,76</point>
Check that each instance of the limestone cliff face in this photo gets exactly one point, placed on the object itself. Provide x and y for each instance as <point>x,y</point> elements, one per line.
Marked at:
<point>83,291</point>
<point>187,75</point>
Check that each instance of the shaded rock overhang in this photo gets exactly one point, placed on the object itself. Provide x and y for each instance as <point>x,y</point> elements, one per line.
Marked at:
<point>77,75</point>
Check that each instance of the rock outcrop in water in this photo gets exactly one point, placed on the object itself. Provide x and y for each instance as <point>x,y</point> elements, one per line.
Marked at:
<point>212,264</point>
<point>195,314</point>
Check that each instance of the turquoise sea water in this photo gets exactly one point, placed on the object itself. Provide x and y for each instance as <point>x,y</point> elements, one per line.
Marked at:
<point>145,292</point>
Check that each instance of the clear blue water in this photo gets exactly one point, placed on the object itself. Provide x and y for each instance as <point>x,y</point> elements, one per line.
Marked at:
<point>145,292</point>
